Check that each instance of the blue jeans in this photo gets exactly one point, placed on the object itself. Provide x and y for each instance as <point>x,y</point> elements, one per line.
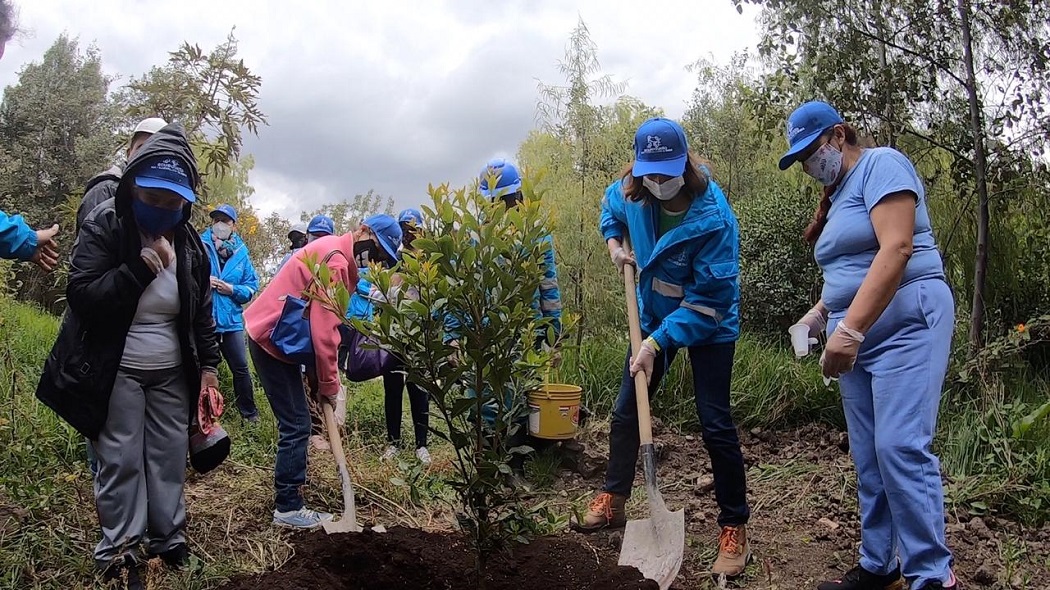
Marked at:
<point>712,371</point>
<point>283,385</point>
<point>232,346</point>
<point>891,398</point>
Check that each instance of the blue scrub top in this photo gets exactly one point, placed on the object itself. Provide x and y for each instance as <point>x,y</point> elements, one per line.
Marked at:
<point>847,246</point>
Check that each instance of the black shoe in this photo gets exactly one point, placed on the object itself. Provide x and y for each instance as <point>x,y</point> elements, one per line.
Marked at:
<point>951,584</point>
<point>859,578</point>
<point>123,572</point>
<point>177,558</point>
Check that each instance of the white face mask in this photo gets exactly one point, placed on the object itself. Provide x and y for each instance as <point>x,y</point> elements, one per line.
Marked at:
<point>825,164</point>
<point>665,191</point>
<point>222,230</point>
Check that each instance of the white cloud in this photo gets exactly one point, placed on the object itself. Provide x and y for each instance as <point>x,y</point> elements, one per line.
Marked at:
<point>393,95</point>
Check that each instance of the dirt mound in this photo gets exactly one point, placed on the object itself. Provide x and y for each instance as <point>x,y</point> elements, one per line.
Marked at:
<point>417,560</point>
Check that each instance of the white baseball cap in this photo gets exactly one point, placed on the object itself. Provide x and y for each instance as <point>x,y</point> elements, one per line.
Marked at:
<point>151,126</point>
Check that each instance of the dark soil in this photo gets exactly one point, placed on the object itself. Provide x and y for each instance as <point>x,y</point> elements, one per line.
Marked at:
<point>417,560</point>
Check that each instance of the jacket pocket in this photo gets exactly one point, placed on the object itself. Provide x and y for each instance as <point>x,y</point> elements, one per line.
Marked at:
<point>725,270</point>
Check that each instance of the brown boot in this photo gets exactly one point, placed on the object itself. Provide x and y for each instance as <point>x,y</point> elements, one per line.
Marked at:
<point>606,512</point>
<point>733,552</point>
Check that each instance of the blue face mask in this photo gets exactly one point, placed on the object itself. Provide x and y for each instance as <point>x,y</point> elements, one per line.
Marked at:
<point>154,220</point>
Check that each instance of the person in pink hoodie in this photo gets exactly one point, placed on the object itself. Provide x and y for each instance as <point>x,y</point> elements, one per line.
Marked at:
<point>281,378</point>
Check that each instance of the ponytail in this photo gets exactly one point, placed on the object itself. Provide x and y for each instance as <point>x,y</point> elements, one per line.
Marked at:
<point>820,217</point>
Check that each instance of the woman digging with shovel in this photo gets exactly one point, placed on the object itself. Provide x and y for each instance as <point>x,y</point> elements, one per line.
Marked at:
<point>686,247</point>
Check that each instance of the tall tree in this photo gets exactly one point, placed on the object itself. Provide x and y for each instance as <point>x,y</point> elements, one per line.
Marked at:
<point>56,128</point>
<point>568,111</point>
<point>214,95</point>
<point>348,213</point>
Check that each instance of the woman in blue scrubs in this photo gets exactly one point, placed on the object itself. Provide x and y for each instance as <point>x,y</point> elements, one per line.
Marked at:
<point>888,314</point>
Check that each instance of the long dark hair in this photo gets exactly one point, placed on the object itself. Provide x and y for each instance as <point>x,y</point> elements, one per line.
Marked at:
<point>697,176</point>
<point>820,216</point>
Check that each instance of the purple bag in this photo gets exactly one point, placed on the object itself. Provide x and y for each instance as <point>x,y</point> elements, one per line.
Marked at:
<point>360,359</point>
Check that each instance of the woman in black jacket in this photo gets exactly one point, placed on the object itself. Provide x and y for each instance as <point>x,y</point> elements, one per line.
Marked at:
<point>135,350</point>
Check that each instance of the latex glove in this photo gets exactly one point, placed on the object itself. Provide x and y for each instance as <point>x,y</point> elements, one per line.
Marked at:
<point>644,360</point>
<point>620,257</point>
<point>841,352</point>
<point>816,322</point>
<point>157,254</point>
<point>340,406</point>
<point>46,254</point>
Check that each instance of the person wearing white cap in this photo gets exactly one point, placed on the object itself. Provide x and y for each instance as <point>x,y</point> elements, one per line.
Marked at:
<point>297,239</point>
<point>103,186</point>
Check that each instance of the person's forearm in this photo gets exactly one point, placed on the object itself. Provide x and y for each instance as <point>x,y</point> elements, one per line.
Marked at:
<point>613,244</point>
<point>877,290</point>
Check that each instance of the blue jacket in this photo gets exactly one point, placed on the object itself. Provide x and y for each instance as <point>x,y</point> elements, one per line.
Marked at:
<point>17,239</point>
<point>548,300</point>
<point>361,306</point>
<point>688,293</point>
<point>238,272</point>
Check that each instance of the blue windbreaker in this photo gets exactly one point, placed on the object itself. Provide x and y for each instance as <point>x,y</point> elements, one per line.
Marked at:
<point>238,272</point>
<point>688,292</point>
<point>17,239</point>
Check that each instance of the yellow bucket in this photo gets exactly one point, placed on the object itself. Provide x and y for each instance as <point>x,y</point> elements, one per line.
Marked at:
<point>554,411</point>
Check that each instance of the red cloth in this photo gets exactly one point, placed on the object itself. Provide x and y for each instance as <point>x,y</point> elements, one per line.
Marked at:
<point>293,278</point>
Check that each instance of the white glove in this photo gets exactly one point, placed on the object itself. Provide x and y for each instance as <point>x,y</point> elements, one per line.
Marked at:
<point>340,406</point>
<point>816,322</point>
<point>620,257</point>
<point>644,360</point>
<point>841,352</point>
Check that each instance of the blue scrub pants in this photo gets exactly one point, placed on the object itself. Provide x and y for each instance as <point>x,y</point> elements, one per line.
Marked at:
<point>891,398</point>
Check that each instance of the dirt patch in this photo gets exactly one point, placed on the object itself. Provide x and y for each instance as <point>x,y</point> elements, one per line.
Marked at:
<point>414,559</point>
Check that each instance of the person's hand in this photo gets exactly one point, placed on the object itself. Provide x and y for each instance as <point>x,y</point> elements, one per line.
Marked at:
<point>340,406</point>
<point>209,378</point>
<point>158,254</point>
<point>644,359</point>
<point>46,254</point>
<point>224,288</point>
<point>620,258</point>
<point>454,358</point>
<point>816,322</point>
<point>841,352</point>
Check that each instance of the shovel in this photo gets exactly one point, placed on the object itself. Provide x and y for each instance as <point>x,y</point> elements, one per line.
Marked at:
<point>653,545</point>
<point>348,522</point>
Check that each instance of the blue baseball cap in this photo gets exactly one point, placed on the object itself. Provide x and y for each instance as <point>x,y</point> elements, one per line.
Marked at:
<point>660,147</point>
<point>387,230</point>
<point>805,125</point>
<point>508,182</point>
<point>226,210</point>
<point>410,216</point>
<point>168,173</point>
<point>321,224</point>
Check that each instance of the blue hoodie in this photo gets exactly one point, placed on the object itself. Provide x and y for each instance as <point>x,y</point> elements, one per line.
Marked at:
<point>238,272</point>
<point>17,239</point>
<point>688,292</point>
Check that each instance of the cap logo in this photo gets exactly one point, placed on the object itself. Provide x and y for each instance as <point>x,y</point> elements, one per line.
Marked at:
<point>654,145</point>
<point>794,132</point>
<point>169,165</point>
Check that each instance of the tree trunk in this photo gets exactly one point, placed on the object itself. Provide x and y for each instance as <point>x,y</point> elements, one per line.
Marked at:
<point>980,267</point>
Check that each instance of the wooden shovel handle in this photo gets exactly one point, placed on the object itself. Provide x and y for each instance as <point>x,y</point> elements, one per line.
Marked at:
<point>641,386</point>
<point>333,434</point>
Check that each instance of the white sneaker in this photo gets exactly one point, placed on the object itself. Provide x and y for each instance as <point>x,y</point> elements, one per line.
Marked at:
<point>389,453</point>
<point>423,455</point>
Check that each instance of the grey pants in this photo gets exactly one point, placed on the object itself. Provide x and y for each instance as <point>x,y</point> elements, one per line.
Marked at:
<point>141,455</point>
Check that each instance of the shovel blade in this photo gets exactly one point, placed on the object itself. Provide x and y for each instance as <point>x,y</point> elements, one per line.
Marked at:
<point>655,546</point>
<point>348,522</point>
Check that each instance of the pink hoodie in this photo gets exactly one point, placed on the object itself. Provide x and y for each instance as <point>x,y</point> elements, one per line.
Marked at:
<point>293,278</point>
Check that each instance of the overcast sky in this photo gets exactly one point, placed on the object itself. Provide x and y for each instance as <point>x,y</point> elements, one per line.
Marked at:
<point>393,94</point>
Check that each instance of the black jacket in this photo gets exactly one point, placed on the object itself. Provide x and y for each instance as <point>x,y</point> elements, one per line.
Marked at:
<point>101,188</point>
<point>106,278</point>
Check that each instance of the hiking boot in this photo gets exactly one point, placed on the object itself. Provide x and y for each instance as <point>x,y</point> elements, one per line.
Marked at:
<point>733,552</point>
<point>177,558</point>
<point>605,512</point>
<point>423,455</point>
<point>303,518</point>
<point>951,584</point>
<point>859,578</point>
<point>123,572</point>
<point>388,454</point>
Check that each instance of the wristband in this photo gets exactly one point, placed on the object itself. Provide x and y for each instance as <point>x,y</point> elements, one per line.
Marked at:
<point>653,343</point>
